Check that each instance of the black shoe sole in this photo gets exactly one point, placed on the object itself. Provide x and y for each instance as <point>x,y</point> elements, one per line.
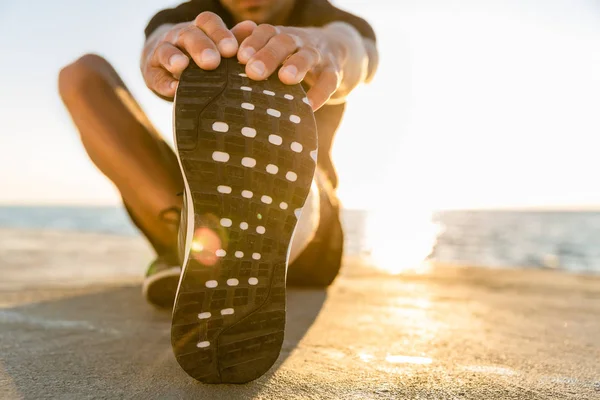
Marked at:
<point>229,314</point>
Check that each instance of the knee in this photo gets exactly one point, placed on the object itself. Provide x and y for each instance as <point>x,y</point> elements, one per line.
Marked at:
<point>75,79</point>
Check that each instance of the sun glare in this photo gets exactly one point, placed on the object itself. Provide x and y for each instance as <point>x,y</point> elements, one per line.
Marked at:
<point>400,241</point>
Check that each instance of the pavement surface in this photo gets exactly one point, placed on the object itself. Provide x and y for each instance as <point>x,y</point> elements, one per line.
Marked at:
<point>73,326</point>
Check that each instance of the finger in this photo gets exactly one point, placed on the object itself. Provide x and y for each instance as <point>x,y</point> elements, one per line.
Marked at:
<point>200,47</point>
<point>256,41</point>
<point>214,27</point>
<point>270,57</point>
<point>159,80</point>
<point>326,84</point>
<point>242,30</point>
<point>297,65</point>
<point>170,58</point>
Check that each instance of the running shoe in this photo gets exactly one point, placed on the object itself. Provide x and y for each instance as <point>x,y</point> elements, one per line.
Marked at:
<point>247,150</point>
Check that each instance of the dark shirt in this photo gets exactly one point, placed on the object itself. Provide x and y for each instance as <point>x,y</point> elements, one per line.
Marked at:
<point>305,13</point>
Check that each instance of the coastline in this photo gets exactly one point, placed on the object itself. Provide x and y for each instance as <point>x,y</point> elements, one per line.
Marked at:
<point>77,317</point>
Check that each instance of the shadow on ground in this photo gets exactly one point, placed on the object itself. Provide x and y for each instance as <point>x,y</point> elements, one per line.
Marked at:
<point>111,344</point>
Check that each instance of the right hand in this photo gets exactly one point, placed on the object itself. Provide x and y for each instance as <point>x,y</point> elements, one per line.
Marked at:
<point>206,40</point>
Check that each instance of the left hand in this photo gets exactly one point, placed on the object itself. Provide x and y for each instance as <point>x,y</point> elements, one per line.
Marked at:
<point>312,55</point>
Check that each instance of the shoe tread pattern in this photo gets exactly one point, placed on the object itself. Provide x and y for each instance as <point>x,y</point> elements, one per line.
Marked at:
<point>245,344</point>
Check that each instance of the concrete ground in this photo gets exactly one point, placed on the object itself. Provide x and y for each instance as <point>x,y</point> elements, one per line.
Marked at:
<point>73,326</point>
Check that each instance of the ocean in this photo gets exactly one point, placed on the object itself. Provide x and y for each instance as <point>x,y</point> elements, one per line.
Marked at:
<point>567,241</point>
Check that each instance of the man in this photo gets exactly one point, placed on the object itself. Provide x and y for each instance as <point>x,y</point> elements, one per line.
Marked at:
<point>245,141</point>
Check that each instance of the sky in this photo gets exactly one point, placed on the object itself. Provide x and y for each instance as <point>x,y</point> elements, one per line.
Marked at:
<point>477,103</point>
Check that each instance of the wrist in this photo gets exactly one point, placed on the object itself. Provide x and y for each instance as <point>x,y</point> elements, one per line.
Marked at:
<point>349,51</point>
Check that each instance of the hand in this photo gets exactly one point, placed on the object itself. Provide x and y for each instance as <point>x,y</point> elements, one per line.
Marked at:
<point>206,40</point>
<point>313,55</point>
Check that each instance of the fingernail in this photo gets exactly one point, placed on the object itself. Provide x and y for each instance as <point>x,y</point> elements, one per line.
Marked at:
<point>247,53</point>
<point>209,56</point>
<point>177,59</point>
<point>258,67</point>
<point>173,85</point>
<point>228,45</point>
<point>291,71</point>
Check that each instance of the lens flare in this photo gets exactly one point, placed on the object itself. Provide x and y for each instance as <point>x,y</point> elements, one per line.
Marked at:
<point>205,245</point>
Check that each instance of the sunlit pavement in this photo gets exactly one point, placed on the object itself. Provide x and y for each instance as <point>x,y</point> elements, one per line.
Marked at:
<point>73,325</point>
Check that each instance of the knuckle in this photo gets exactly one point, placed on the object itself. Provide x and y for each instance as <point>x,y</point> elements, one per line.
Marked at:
<point>285,39</point>
<point>270,53</point>
<point>187,32</point>
<point>161,49</point>
<point>312,54</point>
<point>266,29</point>
<point>172,35</point>
<point>297,40</point>
<point>299,60</point>
<point>312,50</point>
<point>205,17</point>
<point>220,33</point>
<point>161,80</point>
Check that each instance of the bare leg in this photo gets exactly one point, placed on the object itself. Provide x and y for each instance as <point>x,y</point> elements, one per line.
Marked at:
<point>125,146</point>
<point>307,224</point>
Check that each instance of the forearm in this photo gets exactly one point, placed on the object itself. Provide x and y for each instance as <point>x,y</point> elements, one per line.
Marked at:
<point>357,56</point>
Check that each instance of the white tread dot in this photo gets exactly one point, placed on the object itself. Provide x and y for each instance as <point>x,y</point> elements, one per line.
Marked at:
<point>233,282</point>
<point>253,281</point>
<point>275,139</point>
<point>220,253</point>
<point>227,311</point>
<point>248,106</point>
<point>297,147</point>
<point>272,169</point>
<point>260,229</point>
<point>306,100</point>
<point>249,132</point>
<point>246,88</point>
<point>224,189</point>
<point>266,199</point>
<point>256,256</point>
<point>204,315</point>
<point>220,126</point>
<point>211,284</point>
<point>248,162</point>
<point>288,96</point>
<point>295,119</point>
<point>247,194</point>
<point>203,344</point>
<point>273,112</point>
<point>226,222</point>
<point>270,93</point>
<point>313,155</point>
<point>298,212</point>
<point>244,225</point>
<point>220,156</point>
<point>243,75</point>
<point>291,176</point>
<point>239,254</point>
<point>283,205</point>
